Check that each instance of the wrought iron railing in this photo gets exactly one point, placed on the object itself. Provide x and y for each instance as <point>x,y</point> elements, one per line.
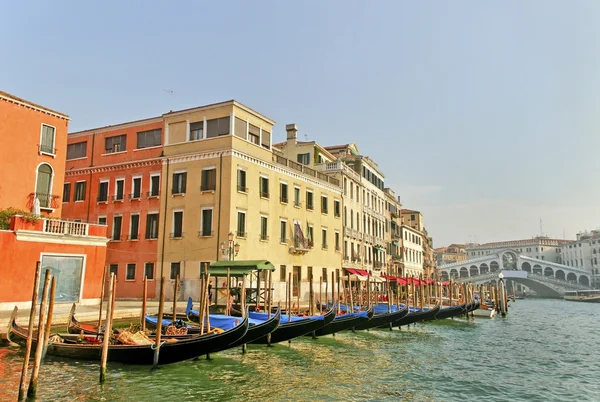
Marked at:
<point>46,200</point>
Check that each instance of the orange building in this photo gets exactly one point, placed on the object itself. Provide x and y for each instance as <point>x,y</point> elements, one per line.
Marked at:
<point>113,178</point>
<point>31,179</point>
<point>35,166</point>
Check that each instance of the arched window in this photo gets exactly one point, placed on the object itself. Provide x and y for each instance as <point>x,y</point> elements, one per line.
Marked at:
<point>43,185</point>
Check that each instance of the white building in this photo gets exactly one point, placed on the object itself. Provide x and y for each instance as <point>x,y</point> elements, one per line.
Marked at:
<point>583,252</point>
<point>412,242</point>
<point>541,248</point>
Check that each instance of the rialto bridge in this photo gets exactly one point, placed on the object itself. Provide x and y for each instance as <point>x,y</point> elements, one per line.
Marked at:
<point>544,277</point>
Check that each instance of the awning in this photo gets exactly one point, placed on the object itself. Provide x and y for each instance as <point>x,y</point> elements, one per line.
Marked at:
<point>353,277</point>
<point>390,278</point>
<point>219,268</point>
<point>395,243</point>
<point>358,272</point>
<point>379,249</point>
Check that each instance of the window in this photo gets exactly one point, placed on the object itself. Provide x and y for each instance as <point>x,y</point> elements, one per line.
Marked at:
<point>311,237</point>
<point>266,139</point>
<point>103,191</point>
<point>115,144</point>
<point>217,127</point>
<point>179,182</point>
<point>117,221</point>
<point>47,140</point>
<point>149,270</point>
<point>207,214</point>
<point>66,192</point>
<point>324,275</point>
<point>136,188</point>
<point>264,186</point>
<point>175,268</point>
<point>177,225</point>
<point>324,238</point>
<point>134,226</point>
<point>282,273</point>
<point>324,204</point>
<point>119,189</point>
<point>283,231</point>
<point>113,269</point>
<point>130,272</point>
<point>240,128</point>
<point>241,224</point>
<point>303,158</point>
<point>79,191</point>
<point>196,130</point>
<point>152,226</point>
<point>283,190</point>
<point>296,280</point>
<point>254,134</point>
<point>297,196</point>
<point>150,138</point>
<point>309,200</point>
<point>77,150</point>
<point>264,228</point>
<point>154,185</point>
<point>102,220</point>
<point>337,241</point>
<point>209,180</point>
<point>241,181</point>
<point>337,209</point>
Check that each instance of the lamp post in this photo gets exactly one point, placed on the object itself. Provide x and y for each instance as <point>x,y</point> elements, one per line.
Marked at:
<point>229,248</point>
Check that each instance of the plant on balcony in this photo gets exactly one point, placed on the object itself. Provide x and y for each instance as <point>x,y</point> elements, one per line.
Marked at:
<point>6,214</point>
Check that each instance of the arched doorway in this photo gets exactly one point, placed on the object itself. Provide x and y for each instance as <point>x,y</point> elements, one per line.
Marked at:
<point>453,273</point>
<point>548,271</point>
<point>473,270</point>
<point>464,272</point>
<point>445,276</point>
<point>526,267</point>
<point>494,266</point>
<point>43,185</point>
<point>560,274</point>
<point>571,277</point>
<point>584,280</point>
<point>537,269</point>
<point>484,268</point>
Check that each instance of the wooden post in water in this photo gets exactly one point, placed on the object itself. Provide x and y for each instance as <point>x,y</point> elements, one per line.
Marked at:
<point>102,291</point>
<point>326,292</point>
<point>144,305</point>
<point>422,291</point>
<point>228,290</point>
<point>360,293</point>
<point>35,371</point>
<point>270,295</point>
<point>207,303</point>
<point>175,288</point>
<point>350,290</point>
<point>368,291</point>
<point>161,306</point>
<point>311,296</point>
<point>450,292</point>
<point>332,289</point>
<point>298,292</point>
<point>289,292</point>
<point>339,304</point>
<point>345,296</point>
<point>108,330</point>
<point>203,284</point>
<point>321,294</point>
<point>243,307</point>
<point>34,296</point>
<point>50,313</point>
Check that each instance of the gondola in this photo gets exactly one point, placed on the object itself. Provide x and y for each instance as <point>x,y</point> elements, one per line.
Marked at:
<point>290,330</point>
<point>448,312</point>
<point>345,321</point>
<point>383,319</point>
<point>416,316</point>
<point>170,352</point>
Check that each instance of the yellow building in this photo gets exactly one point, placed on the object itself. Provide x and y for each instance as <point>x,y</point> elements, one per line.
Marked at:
<point>412,218</point>
<point>223,176</point>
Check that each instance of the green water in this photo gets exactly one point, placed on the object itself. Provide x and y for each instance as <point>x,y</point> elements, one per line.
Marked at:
<point>545,350</point>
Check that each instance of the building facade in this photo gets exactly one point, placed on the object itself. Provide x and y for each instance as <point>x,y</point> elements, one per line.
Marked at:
<point>584,253</point>
<point>450,254</point>
<point>541,248</point>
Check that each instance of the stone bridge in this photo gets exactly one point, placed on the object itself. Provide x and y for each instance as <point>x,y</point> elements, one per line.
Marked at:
<point>545,277</point>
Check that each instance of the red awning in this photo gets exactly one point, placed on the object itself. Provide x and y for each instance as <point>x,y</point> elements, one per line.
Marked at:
<point>390,278</point>
<point>445,283</point>
<point>401,281</point>
<point>359,272</point>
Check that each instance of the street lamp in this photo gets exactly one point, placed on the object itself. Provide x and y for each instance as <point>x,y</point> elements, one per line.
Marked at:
<point>501,275</point>
<point>229,248</point>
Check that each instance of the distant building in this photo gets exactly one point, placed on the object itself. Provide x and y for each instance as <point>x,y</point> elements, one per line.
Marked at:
<point>541,248</point>
<point>450,254</point>
<point>584,253</point>
<point>412,218</point>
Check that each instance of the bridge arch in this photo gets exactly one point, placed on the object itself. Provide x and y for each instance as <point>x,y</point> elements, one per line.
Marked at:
<point>509,261</point>
<point>560,274</point>
<point>571,277</point>
<point>526,267</point>
<point>473,270</point>
<point>453,273</point>
<point>584,280</point>
<point>548,271</point>
<point>494,266</point>
<point>464,272</point>
<point>537,269</point>
<point>445,277</point>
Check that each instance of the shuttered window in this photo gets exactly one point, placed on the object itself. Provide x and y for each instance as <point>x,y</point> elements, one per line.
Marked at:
<point>77,150</point>
<point>150,138</point>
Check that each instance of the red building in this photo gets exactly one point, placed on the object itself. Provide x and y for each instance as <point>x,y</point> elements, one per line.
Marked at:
<point>31,177</point>
<point>113,178</point>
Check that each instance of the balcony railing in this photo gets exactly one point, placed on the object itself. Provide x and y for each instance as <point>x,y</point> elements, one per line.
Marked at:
<point>176,235</point>
<point>347,231</point>
<point>46,149</point>
<point>153,194</point>
<point>66,227</point>
<point>118,197</point>
<point>135,196</point>
<point>202,233</point>
<point>305,169</point>
<point>47,201</point>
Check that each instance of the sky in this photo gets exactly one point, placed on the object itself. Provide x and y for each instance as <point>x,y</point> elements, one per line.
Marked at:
<point>483,115</point>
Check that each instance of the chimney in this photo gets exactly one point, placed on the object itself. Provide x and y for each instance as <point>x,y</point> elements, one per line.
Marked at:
<point>292,133</point>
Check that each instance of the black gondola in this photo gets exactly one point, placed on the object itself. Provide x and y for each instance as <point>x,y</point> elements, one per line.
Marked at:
<point>383,319</point>
<point>294,329</point>
<point>448,312</point>
<point>343,322</point>
<point>170,352</point>
<point>416,316</point>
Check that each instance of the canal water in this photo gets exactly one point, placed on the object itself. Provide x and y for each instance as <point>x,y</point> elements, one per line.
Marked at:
<point>545,350</point>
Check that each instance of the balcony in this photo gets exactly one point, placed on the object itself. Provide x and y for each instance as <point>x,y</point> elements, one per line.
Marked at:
<point>347,231</point>
<point>354,234</point>
<point>377,265</point>
<point>305,169</point>
<point>69,232</point>
<point>45,149</point>
<point>339,166</point>
<point>300,246</point>
<point>66,227</point>
<point>47,201</point>
<point>360,236</point>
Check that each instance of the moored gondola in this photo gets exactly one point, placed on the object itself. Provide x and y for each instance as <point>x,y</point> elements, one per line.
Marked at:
<point>448,312</point>
<point>383,319</point>
<point>344,322</point>
<point>417,316</point>
<point>290,330</point>
<point>170,352</point>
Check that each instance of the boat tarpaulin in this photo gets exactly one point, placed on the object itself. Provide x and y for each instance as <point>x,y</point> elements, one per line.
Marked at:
<point>219,268</point>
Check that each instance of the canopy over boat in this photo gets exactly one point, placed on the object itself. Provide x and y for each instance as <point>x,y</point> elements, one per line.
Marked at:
<point>239,268</point>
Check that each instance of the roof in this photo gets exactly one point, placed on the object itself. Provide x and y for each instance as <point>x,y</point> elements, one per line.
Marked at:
<point>219,268</point>
<point>284,143</point>
<point>23,102</point>
<point>409,211</point>
<point>213,105</point>
<point>119,126</point>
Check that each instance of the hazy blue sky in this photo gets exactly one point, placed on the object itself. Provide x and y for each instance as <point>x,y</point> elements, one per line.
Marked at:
<point>483,115</point>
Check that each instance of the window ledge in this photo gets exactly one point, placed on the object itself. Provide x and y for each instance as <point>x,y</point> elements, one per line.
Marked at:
<point>77,159</point>
<point>47,153</point>
<point>114,241</point>
<point>120,200</point>
<point>130,280</point>
<point>145,148</point>
<point>242,192</point>
<point>264,240</point>
<point>178,195</point>
<point>114,153</point>
<point>101,202</point>
<point>264,198</point>
<point>79,201</point>
<point>207,191</point>
<point>154,238</point>
<point>133,240</point>
<point>283,243</point>
<point>150,197</point>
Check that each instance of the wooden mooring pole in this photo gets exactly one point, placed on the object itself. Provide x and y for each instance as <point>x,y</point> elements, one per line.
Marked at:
<point>175,288</point>
<point>161,308</point>
<point>50,313</point>
<point>35,371</point>
<point>102,291</point>
<point>36,279</point>
<point>108,328</point>
<point>144,305</point>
